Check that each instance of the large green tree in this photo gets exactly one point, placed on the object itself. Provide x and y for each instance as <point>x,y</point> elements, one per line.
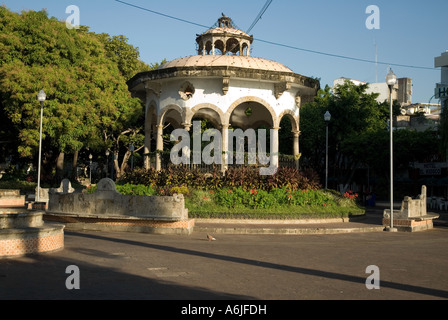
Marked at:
<point>84,76</point>
<point>357,131</point>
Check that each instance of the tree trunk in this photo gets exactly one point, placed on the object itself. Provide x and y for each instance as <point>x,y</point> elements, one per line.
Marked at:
<point>60,167</point>
<point>116,167</point>
<point>124,164</point>
<point>74,165</point>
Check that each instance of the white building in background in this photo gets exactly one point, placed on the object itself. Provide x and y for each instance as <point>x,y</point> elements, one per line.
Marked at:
<point>402,91</point>
<point>411,113</point>
<point>441,91</point>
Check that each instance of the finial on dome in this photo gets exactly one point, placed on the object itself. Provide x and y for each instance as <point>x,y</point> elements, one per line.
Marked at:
<point>225,21</point>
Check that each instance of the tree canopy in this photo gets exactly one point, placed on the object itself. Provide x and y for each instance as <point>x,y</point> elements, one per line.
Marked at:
<point>357,133</point>
<point>84,76</point>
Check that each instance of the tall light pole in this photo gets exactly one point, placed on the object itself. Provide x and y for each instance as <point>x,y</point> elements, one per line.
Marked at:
<point>90,167</point>
<point>327,118</point>
<point>113,165</point>
<point>107,165</point>
<point>391,80</point>
<point>41,97</point>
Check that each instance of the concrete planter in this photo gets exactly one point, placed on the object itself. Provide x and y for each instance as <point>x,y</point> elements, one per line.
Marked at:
<point>24,232</point>
<point>108,208</point>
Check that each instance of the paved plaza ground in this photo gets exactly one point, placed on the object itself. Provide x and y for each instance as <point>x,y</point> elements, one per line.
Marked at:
<point>113,265</point>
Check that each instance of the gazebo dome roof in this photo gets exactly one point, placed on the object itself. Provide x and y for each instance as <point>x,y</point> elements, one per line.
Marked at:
<point>226,61</point>
<point>229,31</point>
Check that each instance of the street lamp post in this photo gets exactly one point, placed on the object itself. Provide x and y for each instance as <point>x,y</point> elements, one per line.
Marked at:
<point>391,80</point>
<point>90,167</point>
<point>327,118</point>
<point>41,97</point>
<point>113,165</point>
<point>107,163</point>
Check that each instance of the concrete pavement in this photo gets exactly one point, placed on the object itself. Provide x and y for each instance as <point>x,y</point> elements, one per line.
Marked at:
<point>114,265</point>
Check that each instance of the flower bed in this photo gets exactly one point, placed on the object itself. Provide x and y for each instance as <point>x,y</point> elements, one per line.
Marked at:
<point>242,192</point>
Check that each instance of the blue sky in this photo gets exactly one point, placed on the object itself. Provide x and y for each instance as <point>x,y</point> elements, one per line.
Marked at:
<point>410,33</point>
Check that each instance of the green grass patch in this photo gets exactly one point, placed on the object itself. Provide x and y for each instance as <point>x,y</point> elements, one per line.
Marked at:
<point>276,204</point>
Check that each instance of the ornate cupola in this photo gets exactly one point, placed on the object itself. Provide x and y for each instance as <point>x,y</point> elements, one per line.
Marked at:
<point>224,38</point>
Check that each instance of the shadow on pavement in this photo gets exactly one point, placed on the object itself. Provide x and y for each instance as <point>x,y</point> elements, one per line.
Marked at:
<point>301,270</point>
<point>43,277</point>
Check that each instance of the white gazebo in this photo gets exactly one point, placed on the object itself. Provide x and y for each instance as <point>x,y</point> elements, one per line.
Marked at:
<point>224,84</point>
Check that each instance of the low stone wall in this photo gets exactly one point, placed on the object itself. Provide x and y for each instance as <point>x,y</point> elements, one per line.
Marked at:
<point>15,219</point>
<point>24,232</point>
<point>412,215</point>
<point>412,225</point>
<point>139,225</point>
<point>11,199</point>
<point>107,209</point>
<point>24,241</point>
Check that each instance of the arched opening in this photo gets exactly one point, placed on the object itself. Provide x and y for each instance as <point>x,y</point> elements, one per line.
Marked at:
<point>232,46</point>
<point>171,118</point>
<point>208,47</point>
<point>288,141</point>
<point>209,118</point>
<point>219,47</point>
<point>250,124</point>
<point>244,49</point>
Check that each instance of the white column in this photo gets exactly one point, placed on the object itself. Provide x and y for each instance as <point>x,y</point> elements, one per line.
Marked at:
<point>159,147</point>
<point>274,147</point>
<point>147,148</point>
<point>295,147</point>
<point>187,150</point>
<point>225,147</point>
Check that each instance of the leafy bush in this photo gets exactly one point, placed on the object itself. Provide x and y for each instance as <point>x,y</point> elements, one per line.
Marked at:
<point>182,189</point>
<point>247,178</point>
<point>275,198</point>
<point>137,190</point>
<point>23,186</point>
<point>128,189</point>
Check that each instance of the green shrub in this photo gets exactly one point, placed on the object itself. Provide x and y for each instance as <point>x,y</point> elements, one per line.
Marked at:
<point>199,199</point>
<point>136,190</point>
<point>247,178</point>
<point>23,186</point>
<point>275,198</point>
<point>127,189</point>
<point>182,189</point>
